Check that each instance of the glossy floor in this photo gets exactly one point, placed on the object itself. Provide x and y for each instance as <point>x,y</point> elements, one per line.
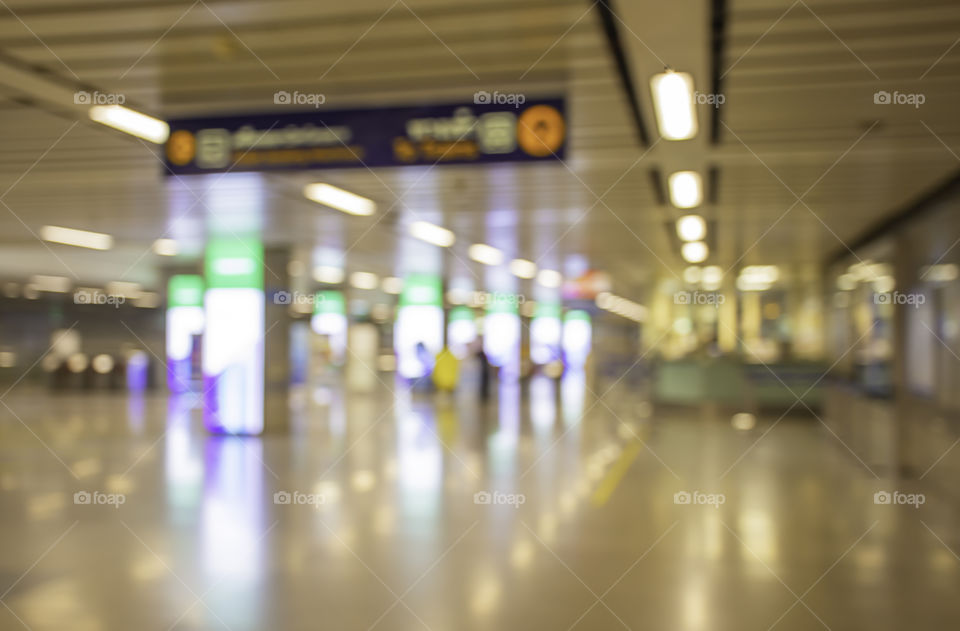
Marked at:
<point>397,510</point>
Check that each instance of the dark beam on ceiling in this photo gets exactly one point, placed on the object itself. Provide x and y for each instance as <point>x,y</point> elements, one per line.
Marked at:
<point>611,30</point>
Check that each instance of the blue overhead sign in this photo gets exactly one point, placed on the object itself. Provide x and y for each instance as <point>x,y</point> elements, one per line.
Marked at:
<point>475,133</point>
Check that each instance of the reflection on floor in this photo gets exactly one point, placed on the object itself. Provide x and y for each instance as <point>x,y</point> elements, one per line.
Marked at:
<point>399,510</point>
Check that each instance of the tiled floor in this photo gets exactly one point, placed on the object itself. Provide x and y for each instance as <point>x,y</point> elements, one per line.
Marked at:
<point>385,529</point>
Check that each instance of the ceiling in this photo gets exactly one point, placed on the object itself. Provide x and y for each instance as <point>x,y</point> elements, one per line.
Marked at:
<point>799,120</point>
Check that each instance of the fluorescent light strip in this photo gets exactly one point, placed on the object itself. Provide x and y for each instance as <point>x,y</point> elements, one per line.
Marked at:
<point>621,307</point>
<point>78,238</point>
<point>328,274</point>
<point>124,288</point>
<point>364,280</point>
<point>432,234</point>
<point>549,278</point>
<point>165,247</point>
<point>522,268</point>
<point>340,199</point>
<point>54,284</point>
<point>131,122</point>
<point>486,254</point>
<point>392,285</point>
<point>673,103</point>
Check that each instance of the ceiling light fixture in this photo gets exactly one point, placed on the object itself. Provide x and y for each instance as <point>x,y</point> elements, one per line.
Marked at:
<point>695,252</point>
<point>328,274</point>
<point>131,122</point>
<point>686,190</point>
<point>757,277</point>
<point>673,104</point>
<point>364,280</point>
<point>550,278</point>
<point>432,234</point>
<point>342,200</point>
<point>165,247</point>
<point>621,307</point>
<point>54,284</point>
<point>486,254</point>
<point>712,277</point>
<point>392,285</point>
<point>78,238</point>
<point>691,228</point>
<point>522,268</point>
<point>692,274</point>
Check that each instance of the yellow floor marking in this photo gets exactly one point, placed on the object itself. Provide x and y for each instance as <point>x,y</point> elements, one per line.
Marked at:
<point>610,481</point>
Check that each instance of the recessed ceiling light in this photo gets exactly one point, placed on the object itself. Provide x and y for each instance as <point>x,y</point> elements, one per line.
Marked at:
<point>673,104</point>
<point>685,189</point>
<point>340,199</point>
<point>692,275</point>
<point>695,252</point>
<point>712,277</point>
<point>691,228</point>
<point>79,238</point>
<point>131,122</point>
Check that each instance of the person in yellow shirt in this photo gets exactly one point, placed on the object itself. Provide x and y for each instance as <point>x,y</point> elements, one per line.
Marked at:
<point>446,371</point>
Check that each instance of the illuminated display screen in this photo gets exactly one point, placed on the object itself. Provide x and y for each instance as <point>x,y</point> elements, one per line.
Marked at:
<point>577,338</point>
<point>461,330</point>
<point>330,318</point>
<point>184,325</point>
<point>233,341</point>
<point>501,331</point>
<point>418,331</point>
<point>545,334</point>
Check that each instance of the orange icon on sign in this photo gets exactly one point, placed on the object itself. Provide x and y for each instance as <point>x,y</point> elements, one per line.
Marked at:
<point>541,130</point>
<point>404,150</point>
<point>181,147</point>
